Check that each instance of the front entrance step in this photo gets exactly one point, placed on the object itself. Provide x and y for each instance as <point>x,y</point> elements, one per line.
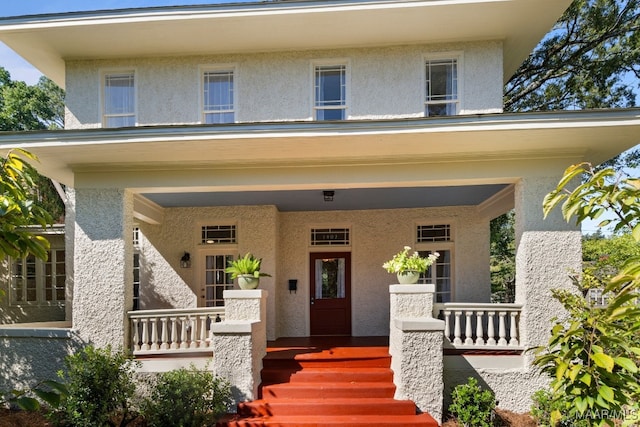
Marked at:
<point>422,420</point>
<point>327,390</point>
<point>327,384</point>
<point>354,406</point>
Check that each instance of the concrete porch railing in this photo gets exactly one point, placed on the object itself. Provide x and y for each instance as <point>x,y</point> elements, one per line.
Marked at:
<point>173,330</point>
<point>480,326</point>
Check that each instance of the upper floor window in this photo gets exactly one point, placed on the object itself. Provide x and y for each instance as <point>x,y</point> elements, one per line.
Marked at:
<point>119,101</point>
<point>36,281</point>
<point>330,94</point>
<point>218,97</point>
<point>442,97</point>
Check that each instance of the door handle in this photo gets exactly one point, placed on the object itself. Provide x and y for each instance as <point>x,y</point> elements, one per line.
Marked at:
<point>312,300</point>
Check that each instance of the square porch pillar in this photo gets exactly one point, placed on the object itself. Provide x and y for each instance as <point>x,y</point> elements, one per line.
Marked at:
<point>548,251</point>
<point>103,266</point>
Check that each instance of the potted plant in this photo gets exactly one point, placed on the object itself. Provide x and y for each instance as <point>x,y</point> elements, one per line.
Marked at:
<point>409,267</point>
<point>247,271</point>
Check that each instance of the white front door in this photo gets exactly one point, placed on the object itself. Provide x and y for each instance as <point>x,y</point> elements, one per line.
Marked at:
<point>214,280</point>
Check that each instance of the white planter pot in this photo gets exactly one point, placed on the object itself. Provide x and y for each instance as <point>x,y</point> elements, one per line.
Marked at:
<point>248,281</point>
<point>408,277</point>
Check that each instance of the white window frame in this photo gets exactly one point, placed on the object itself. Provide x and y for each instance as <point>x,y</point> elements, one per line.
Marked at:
<point>104,74</point>
<point>338,62</point>
<point>221,68</point>
<point>40,283</point>
<point>438,246</point>
<point>226,250</point>
<point>443,56</point>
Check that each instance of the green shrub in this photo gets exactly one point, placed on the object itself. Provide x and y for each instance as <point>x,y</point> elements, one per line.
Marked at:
<point>544,405</point>
<point>187,398</point>
<point>471,405</point>
<point>100,388</point>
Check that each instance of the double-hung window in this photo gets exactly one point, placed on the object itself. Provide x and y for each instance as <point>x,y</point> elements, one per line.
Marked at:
<point>441,84</point>
<point>330,92</point>
<point>119,99</point>
<point>218,96</point>
<point>34,281</point>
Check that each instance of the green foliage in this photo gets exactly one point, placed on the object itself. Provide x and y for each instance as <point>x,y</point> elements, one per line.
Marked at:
<point>99,386</point>
<point>18,209</point>
<point>248,264</point>
<point>503,258</point>
<point>471,405</point>
<point>403,262</point>
<point>585,61</point>
<point>187,398</point>
<point>544,405</point>
<point>50,393</point>
<point>593,357</point>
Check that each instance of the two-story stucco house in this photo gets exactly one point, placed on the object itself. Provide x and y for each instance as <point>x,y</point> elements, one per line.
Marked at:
<point>321,136</point>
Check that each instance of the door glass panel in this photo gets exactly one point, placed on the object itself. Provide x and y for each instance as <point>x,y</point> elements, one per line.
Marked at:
<point>330,278</point>
<point>216,280</point>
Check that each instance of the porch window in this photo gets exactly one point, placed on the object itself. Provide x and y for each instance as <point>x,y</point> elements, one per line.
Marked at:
<point>330,93</point>
<point>216,280</point>
<point>439,273</point>
<point>119,103</point>
<point>441,80</point>
<point>36,281</point>
<point>218,96</point>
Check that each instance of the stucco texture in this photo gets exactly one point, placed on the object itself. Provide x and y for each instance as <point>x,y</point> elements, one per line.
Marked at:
<point>383,82</point>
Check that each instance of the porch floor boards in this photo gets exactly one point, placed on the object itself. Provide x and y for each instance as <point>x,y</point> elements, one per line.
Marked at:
<point>327,381</point>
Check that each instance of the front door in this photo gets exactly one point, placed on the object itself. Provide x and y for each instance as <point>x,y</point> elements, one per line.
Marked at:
<point>330,278</point>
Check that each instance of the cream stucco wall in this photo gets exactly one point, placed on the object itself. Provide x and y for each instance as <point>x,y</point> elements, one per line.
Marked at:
<point>383,82</point>
<point>376,236</point>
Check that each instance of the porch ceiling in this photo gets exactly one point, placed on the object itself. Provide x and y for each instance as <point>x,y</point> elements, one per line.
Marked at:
<point>344,199</point>
<point>47,41</point>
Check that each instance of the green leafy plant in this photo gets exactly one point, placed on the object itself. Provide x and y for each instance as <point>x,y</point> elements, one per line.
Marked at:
<point>402,262</point>
<point>100,388</point>
<point>248,264</point>
<point>471,405</point>
<point>187,398</point>
<point>544,405</point>
<point>48,393</point>
<point>592,357</point>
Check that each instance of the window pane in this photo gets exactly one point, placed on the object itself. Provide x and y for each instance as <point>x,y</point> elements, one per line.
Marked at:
<point>330,114</point>
<point>330,92</point>
<point>218,97</point>
<point>119,94</point>
<point>441,87</point>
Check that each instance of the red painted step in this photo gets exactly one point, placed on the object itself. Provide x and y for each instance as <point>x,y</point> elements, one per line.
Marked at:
<point>327,385</point>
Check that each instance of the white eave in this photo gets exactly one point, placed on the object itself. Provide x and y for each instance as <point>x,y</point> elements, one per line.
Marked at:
<point>593,136</point>
<point>47,41</point>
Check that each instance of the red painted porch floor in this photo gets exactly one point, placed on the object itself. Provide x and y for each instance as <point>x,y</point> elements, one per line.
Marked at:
<point>327,381</point>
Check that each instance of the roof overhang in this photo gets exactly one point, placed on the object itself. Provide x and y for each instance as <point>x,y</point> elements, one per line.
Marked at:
<point>593,136</point>
<point>47,41</point>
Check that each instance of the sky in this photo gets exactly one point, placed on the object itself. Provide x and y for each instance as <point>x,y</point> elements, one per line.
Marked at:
<point>22,70</point>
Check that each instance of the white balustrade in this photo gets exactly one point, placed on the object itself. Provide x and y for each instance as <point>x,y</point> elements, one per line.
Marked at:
<point>173,331</point>
<point>479,323</point>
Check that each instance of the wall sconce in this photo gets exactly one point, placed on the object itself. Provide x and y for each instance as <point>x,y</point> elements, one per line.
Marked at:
<point>185,261</point>
<point>328,195</point>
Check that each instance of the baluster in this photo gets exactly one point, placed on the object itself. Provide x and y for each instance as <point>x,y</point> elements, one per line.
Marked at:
<point>456,328</point>
<point>479,329</point>
<point>165,334</point>
<point>203,331</point>
<point>183,334</point>
<point>513,329</point>
<point>154,334</point>
<point>193,323</point>
<point>145,334</point>
<point>503,330</point>
<point>468,328</point>
<point>447,326</point>
<point>491,334</point>
<point>174,333</point>
<point>136,335</point>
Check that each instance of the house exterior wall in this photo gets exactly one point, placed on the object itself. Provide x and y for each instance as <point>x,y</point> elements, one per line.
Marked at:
<point>383,82</point>
<point>40,311</point>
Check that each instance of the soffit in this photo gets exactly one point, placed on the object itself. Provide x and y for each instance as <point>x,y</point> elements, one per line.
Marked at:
<point>46,41</point>
<point>582,135</point>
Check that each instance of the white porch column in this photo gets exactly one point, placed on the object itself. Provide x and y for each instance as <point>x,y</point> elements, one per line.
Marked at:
<point>415,345</point>
<point>547,252</point>
<point>103,266</point>
<point>240,342</point>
